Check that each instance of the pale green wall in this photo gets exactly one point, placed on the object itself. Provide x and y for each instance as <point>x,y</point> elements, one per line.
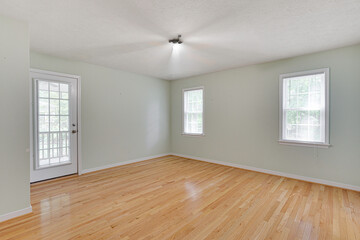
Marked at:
<point>14,116</point>
<point>242,114</point>
<point>125,116</point>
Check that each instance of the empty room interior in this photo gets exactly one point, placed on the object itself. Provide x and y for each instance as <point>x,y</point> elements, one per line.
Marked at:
<point>193,119</point>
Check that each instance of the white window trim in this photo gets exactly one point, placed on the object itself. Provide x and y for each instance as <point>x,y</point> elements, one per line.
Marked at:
<point>325,144</point>
<point>183,110</point>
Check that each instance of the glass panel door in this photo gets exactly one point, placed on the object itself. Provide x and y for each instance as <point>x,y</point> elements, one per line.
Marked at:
<point>53,145</point>
<point>55,126</point>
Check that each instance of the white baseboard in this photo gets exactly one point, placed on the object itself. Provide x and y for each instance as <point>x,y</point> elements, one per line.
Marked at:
<point>282,174</point>
<point>15,214</point>
<point>122,163</point>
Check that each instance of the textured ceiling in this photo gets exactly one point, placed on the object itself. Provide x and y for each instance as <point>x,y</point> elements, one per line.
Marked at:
<point>132,35</point>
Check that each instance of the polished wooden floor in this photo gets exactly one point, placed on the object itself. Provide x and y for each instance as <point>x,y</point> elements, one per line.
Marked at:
<point>177,198</point>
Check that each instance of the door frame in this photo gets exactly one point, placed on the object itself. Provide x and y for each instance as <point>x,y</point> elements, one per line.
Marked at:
<point>78,81</point>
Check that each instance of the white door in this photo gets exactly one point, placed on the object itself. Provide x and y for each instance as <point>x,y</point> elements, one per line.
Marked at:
<point>54,122</point>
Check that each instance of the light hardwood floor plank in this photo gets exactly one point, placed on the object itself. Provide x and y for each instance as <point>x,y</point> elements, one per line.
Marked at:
<point>177,198</point>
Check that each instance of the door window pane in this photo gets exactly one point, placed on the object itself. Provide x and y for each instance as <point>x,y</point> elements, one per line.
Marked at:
<point>64,91</point>
<point>44,106</point>
<point>54,107</point>
<point>53,119</point>
<point>43,123</point>
<point>54,123</point>
<point>64,123</point>
<point>64,107</point>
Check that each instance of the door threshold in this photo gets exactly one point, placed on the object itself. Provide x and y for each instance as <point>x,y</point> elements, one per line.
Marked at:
<point>56,178</point>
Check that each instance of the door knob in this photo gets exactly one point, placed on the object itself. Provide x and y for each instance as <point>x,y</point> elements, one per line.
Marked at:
<point>74,131</point>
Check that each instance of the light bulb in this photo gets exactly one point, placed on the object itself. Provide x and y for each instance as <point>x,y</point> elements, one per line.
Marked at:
<point>176,46</point>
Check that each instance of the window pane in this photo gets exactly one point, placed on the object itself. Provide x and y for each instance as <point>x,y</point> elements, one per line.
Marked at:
<point>54,94</point>
<point>54,141</point>
<point>54,160</point>
<point>43,123</point>
<point>304,108</point>
<point>314,133</point>
<point>314,117</point>
<point>302,117</point>
<point>293,87</point>
<point>303,100</point>
<point>290,132</point>
<point>54,90</point>
<point>315,100</point>
<point>54,124</point>
<point>54,87</point>
<point>64,159</point>
<point>64,123</point>
<point>55,152</point>
<point>54,107</point>
<point>302,132</point>
<point>64,88</point>
<point>64,95</point>
<point>43,85</point>
<point>53,146</point>
<point>315,84</point>
<point>43,94</point>
<point>193,111</point>
<point>43,141</point>
<point>64,91</point>
<point>303,86</point>
<point>63,139</point>
<point>291,117</point>
<point>44,106</point>
<point>64,107</point>
<point>292,102</point>
<point>44,162</point>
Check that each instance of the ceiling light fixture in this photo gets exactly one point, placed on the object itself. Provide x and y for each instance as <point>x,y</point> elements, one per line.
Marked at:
<point>176,40</point>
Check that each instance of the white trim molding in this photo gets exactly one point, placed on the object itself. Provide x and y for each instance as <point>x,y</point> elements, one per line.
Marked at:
<point>35,70</point>
<point>304,144</point>
<point>15,214</point>
<point>89,170</point>
<point>271,172</point>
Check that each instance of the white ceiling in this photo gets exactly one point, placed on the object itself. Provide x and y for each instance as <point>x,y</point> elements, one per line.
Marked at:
<point>132,35</point>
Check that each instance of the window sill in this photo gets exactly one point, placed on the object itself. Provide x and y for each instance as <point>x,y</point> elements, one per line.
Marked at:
<point>193,134</point>
<point>304,144</point>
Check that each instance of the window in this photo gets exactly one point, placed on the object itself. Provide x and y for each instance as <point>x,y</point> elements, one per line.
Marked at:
<point>193,106</point>
<point>304,116</point>
<point>52,123</point>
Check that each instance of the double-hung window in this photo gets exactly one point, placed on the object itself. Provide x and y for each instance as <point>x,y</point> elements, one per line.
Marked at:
<point>304,108</point>
<point>193,108</point>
